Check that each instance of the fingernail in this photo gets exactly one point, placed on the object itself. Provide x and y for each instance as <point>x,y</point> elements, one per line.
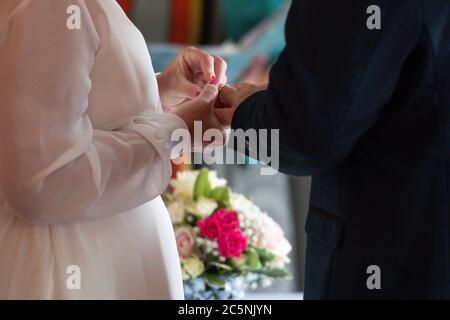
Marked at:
<point>214,81</point>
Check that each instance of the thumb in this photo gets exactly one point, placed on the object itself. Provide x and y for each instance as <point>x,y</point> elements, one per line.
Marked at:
<point>189,89</point>
<point>204,101</point>
<point>209,94</point>
<point>225,116</point>
<point>229,96</point>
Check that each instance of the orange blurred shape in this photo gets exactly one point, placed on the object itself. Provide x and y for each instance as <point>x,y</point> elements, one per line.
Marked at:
<point>126,6</point>
<point>179,31</point>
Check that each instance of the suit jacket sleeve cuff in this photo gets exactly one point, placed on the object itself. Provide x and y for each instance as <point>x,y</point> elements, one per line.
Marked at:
<point>244,116</point>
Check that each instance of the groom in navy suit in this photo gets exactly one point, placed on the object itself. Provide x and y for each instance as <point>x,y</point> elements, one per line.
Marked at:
<point>361,95</point>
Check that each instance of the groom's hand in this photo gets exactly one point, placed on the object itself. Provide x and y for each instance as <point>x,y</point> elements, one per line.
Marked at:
<point>231,97</point>
<point>188,74</point>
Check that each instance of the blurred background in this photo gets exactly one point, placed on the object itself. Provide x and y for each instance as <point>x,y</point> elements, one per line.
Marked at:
<point>249,35</point>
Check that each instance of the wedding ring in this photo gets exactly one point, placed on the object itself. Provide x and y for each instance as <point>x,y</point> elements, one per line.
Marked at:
<point>222,86</point>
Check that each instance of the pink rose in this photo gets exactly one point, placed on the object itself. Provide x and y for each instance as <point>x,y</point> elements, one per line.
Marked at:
<point>229,220</point>
<point>185,242</point>
<point>272,237</point>
<point>221,222</point>
<point>232,244</point>
<point>210,227</point>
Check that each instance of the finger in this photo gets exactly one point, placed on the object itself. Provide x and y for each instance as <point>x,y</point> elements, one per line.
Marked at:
<point>249,86</point>
<point>225,116</point>
<point>200,61</point>
<point>241,85</point>
<point>229,96</point>
<point>209,94</point>
<point>191,90</point>
<point>220,105</point>
<point>263,86</point>
<point>220,70</point>
<point>207,65</point>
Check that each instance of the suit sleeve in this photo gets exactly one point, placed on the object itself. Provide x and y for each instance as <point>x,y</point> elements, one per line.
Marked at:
<point>333,79</point>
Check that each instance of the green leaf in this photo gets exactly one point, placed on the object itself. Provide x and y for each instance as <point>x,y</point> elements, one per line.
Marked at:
<point>219,265</point>
<point>221,195</point>
<point>214,280</point>
<point>275,273</point>
<point>238,262</point>
<point>209,257</point>
<point>253,261</point>
<point>202,186</point>
<point>264,255</point>
<point>241,272</point>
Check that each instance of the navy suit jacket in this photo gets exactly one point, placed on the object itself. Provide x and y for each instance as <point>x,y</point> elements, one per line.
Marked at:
<point>367,114</point>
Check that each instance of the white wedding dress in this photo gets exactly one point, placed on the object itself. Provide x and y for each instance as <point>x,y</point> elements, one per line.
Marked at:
<point>84,156</point>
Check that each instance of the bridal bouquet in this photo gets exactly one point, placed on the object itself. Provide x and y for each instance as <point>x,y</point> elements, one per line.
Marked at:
<point>225,242</point>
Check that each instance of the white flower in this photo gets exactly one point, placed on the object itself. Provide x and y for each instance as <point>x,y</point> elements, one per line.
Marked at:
<point>183,185</point>
<point>215,181</point>
<point>249,216</point>
<point>245,207</point>
<point>279,262</point>
<point>203,208</point>
<point>176,211</point>
<point>266,282</point>
<point>272,237</point>
<point>184,275</point>
<point>193,267</point>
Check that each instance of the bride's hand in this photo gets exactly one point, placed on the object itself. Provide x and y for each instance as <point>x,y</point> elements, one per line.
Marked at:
<point>188,74</point>
<point>200,109</point>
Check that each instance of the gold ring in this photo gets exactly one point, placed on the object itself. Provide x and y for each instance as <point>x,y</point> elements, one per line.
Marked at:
<point>222,86</point>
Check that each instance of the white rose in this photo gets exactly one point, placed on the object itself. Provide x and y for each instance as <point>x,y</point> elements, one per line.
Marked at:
<point>279,262</point>
<point>183,185</point>
<point>193,267</point>
<point>215,181</point>
<point>245,206</point>
<point>204,207</point>
<point>272,237</point>
<point>176,211</point>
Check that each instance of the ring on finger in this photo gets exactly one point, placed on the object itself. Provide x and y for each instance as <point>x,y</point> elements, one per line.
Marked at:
<point>223,86</point>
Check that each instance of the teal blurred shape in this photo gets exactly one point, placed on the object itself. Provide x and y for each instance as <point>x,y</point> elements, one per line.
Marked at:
<point>241,16</point>
<point>267,39</point>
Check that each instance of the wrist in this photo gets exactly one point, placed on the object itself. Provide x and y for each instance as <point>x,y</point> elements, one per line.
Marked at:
<point>163,86</point>
<point>183,114</point>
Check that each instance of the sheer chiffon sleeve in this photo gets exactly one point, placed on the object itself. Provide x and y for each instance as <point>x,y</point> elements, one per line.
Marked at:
<point>54,166</point>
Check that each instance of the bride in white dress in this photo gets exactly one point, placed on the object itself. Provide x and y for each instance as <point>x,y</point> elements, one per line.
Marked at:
<point>85,152</point>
